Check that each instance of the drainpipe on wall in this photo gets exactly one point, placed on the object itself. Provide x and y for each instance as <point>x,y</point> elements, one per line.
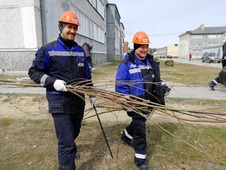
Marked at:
<point>43,21</point>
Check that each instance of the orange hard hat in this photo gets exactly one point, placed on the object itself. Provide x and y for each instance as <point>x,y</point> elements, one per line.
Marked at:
<point>69,17</point>
<point>141,38</point>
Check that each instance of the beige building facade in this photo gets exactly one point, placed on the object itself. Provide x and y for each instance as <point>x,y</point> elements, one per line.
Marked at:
<point>170,51</point>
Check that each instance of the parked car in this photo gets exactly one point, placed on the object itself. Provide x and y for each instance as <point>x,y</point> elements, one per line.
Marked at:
<point>210,58</point>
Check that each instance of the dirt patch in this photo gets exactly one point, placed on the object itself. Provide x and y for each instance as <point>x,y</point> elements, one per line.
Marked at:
<point>33,106</point>
<point>23,106</point>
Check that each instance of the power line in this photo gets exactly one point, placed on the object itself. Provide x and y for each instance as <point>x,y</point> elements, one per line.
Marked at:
<point>158,35</point>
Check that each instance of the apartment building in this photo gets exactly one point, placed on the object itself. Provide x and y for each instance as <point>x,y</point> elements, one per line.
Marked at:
<point>29,24</point>
<point>200,40</point>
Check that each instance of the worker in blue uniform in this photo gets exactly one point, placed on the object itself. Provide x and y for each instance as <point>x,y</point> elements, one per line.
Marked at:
<point>139,75</point>
<point>56,64</point>
<point>217,80</point>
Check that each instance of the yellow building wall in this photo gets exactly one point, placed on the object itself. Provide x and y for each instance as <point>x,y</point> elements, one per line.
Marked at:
<point>172,50</point>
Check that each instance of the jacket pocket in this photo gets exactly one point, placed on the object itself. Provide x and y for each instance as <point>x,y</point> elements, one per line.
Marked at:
<point>55,103</point>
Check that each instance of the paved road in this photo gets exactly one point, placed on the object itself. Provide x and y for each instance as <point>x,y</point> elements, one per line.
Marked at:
<point>197,62</point>
<point>198,93</point>
<point>176,92</point>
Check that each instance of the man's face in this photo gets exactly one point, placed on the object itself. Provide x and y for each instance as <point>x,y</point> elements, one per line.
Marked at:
<point>69,32</point>
<point>142,51</point>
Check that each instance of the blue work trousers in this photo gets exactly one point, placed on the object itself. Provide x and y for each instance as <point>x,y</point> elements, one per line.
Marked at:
<point>67,127</point>
<point>137,129</point>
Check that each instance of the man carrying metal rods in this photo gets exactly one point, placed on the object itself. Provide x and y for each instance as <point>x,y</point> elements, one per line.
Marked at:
<point>56,64</point>
<point>139,75</point>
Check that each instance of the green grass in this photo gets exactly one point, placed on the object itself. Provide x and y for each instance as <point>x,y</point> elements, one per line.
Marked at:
<point>31,144</point>
<point>5,122</point>
<point>179,155</point>
<point>188,74</point>
<point>27,144</point>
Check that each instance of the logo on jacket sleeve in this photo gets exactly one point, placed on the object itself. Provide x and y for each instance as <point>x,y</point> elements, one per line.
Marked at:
<point>133,69</point>
<point>80,64</point>
<point>133,66</point>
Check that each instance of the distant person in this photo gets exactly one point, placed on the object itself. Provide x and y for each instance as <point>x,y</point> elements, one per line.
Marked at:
<point>87,48</point>
<point>190,56</point>
<point>216,81</point>
<point>56,64</point>
<point>139,75</point>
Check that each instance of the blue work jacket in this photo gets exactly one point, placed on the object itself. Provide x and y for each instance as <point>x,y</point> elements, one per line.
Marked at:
<point>57,61</point>
<point>129,78</point>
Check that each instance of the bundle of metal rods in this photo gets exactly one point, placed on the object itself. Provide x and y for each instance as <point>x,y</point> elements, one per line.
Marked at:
<point>130,103</point>
<point>141,106</point>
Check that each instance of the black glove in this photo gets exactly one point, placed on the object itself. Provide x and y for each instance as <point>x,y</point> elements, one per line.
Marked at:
<point>166,90</point>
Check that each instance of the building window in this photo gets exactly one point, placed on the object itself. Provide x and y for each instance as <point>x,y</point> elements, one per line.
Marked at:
<point>94,3</point>
<point>100,8</point>
<point>98,5</point>
<point>89,29</point>
<point>212,36</point>
<point>197,36</point>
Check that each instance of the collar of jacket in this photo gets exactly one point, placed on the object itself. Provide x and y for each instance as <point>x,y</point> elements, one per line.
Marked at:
<point>68,44</point>
<point>133,60</point>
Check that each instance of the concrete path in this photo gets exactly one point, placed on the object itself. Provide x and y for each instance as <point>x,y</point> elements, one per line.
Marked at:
<point>21,90</point>
<point>198,93</point>
<point>176,92</point>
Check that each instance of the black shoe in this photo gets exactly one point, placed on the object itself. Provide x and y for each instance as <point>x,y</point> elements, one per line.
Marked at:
<point>145,167</point>
<point>211,85</point>
<point>125,139</point>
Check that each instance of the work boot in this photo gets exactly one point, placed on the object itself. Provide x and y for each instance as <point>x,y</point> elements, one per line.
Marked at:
<point>211,85</point>
<point>125,139</point>
<point>145,167</point>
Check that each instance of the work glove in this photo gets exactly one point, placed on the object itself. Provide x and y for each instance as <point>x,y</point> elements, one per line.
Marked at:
<point>92,101</point>
<point>59,85</point>
<point>166,90</point>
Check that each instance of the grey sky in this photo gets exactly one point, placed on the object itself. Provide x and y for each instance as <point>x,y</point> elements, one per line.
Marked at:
<point>164,20</point>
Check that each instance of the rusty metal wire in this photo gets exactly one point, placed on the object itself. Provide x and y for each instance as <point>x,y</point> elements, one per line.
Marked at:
<point>139,106</point>
<point>131,103</point>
